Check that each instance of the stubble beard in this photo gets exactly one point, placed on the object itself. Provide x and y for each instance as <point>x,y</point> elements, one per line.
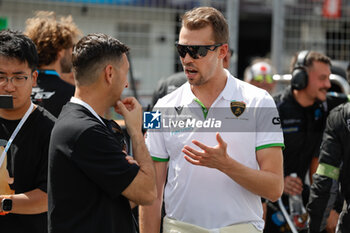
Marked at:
<point>197,82</point>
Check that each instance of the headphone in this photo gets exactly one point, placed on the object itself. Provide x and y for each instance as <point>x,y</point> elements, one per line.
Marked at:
<point>299,74</point>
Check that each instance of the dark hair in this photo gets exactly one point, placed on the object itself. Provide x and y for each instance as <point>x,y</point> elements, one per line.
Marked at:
<point>14,44</point>
<point>310,58</point>
<point>201,17</point>
<point>91,54</point>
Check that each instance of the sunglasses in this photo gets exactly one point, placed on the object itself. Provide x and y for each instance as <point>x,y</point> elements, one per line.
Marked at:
<point>195,51</point>
<point>260,78</point>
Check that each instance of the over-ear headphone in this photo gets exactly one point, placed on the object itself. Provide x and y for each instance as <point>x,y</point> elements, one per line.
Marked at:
<point>299,74</point>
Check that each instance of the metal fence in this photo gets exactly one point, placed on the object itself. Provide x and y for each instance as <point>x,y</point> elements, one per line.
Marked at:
<point>150,28</point>
<point>320,25</point>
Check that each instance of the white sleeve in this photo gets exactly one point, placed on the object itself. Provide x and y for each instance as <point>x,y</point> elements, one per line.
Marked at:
<point>155,143</point>
<point>156,146</point>
<point>268,125</point>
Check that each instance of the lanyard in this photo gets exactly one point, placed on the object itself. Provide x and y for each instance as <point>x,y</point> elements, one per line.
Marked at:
<point>84,104</point>
<point>19,126</point>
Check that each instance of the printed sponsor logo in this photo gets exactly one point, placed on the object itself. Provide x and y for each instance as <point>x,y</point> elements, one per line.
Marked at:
<point>291,121</point>
<point>40,94</point>
<point>290,130</point>
<point>276,121</point>
<point>178,109</point>
<point>237,108</point>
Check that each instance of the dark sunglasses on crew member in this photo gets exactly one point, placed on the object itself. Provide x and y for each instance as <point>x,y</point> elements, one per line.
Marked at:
<point>195,51</point>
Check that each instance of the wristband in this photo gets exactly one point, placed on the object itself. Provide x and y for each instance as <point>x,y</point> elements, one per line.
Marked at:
<point>6,204</point>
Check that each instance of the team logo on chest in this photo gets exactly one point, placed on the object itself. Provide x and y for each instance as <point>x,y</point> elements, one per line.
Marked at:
<point>178,109</point>
<point>237,108</point>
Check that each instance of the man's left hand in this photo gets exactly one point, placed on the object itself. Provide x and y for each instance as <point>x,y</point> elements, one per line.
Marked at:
<point>213,157</point>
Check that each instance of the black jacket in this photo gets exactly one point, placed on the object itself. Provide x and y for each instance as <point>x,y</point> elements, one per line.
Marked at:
<point>302,129</point>
<point>51,91</point>
<point>335,151</point>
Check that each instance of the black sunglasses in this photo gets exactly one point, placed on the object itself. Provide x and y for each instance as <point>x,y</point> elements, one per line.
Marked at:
<point>195,51</point>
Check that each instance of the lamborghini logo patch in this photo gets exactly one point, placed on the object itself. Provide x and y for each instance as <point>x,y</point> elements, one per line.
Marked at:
<point>237,108</point>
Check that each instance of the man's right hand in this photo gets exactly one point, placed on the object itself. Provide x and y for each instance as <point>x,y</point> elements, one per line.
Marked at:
<point>292,185</point>
<point>131,110</point>
<point>142,190</point>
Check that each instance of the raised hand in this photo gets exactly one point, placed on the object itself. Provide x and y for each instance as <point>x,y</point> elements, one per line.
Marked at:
<point>213,157</point>
<point>131,110</point>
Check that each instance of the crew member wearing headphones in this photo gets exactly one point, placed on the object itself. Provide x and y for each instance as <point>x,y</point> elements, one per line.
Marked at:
<point>303,108</point>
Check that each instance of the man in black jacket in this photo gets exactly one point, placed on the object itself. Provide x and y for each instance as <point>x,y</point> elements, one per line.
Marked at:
<point>303,108</point>
<point>333,169</point>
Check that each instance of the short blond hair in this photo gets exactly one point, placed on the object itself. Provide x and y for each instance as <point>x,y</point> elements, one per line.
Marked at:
<point>201,17</point>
